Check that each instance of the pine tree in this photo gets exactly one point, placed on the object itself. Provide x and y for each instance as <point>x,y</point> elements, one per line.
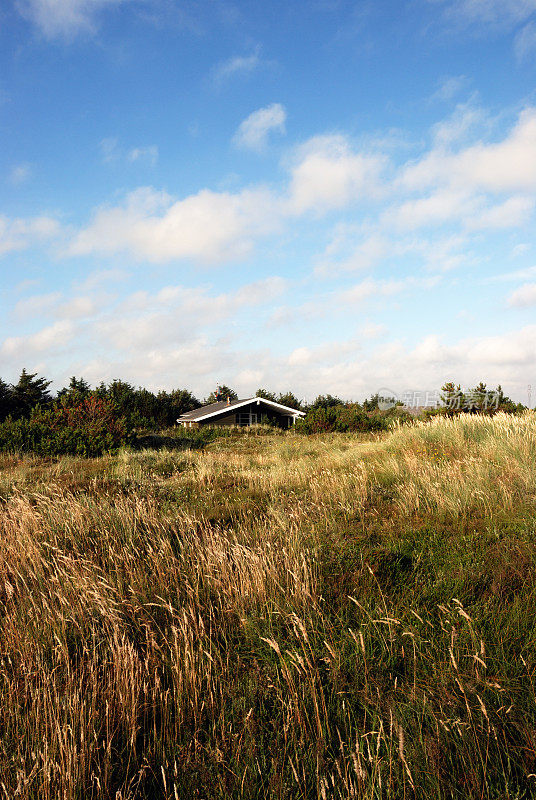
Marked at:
<point>78,389</point>
<point>222,393</point>
<point>290,400</point>
<point>264,393</point>
<point>29,392</point>
<point>6,400</point>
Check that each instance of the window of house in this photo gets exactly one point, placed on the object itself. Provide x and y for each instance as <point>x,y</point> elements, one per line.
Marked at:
<point>244,418</point>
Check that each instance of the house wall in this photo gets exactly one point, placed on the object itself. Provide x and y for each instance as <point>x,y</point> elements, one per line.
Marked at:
<point>228,419</point>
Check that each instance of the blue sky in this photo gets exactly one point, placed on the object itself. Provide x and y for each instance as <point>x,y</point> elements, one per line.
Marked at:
<point>328,196</point>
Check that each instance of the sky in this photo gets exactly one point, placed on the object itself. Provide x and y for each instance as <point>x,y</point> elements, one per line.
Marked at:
<point>324,197</point>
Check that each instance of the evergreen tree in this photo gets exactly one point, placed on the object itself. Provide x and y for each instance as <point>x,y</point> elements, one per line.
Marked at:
<point>182,401</point>
<point>29,392</point>
<point>289,399</point>
<point>6,400</point>
<point>327,401</point>
<point>78,389</point>
<point>222,393</point>
<point>452,398</point>
<point>264,393</point>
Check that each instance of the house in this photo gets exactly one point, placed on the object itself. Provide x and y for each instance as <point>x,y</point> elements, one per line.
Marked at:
<point>243,413</point>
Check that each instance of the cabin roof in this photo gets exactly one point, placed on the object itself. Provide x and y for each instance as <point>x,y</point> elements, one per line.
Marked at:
<point>214,409</point>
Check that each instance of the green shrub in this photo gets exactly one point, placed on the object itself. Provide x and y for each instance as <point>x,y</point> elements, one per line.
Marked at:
<point>90,427</point>
<point>343,418</point>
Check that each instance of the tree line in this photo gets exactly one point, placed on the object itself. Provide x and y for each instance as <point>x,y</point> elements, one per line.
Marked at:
<point>80,420</point>
<point>141,407</point>
<point>146,409</point>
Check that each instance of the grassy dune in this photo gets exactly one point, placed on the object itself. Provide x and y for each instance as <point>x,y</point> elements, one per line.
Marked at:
<point>274,616</point>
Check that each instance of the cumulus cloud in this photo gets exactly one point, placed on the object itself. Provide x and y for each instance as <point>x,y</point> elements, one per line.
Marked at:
<point>508,165</point>
<point>174,313</point>
<point>513,213</point>
<point>18,234</point>
<point>37,305</point>
<point>213,227</point>
<point>524,296</point>
<point>47,339</point>
<point>64,18</point>
<point>207,227</point>
<point>253,132</point>
<point>435,208</point>
<point>329,174</point>
<point>347,370</point>
<point>469,209</point>
<point>55,305</point>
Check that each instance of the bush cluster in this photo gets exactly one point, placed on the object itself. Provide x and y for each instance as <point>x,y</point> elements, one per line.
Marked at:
<point>90,427</point>
<point>330,414</point>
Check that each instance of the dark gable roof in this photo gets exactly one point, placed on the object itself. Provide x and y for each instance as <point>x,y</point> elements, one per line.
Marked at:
<point>218,408</point>
<point>212,408</point>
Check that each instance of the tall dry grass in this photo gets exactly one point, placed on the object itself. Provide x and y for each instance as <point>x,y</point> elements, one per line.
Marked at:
<point>287,617</point>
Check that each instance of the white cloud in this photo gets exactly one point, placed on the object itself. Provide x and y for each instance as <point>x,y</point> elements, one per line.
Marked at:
<point>437,207</point>
<point>149,154</point>
<point>308,356</point>
<point>513,213</point>
<point>356,294</point>
<point>365,255</point>
<point>373,330</point>
<point>491,12</point>
<point>112,151</point>
<point>18,234</point>
<point>345,370</point>
<point>254,130</point>
<point>520,249</point>
<point>525,42</point>
<point>103,276</point>
<point>449,88</point>
<point>207,227</point>
<point>50,338</point>
<point>36,306</point>
<point>466,118</point>
<point>63,18</point>
<point>213,227</point>
<point>54,304</point>
<point>470,209</point>
<point>237,66</point>
<point>508,165</point>
<point>328,174</point>
<point>524,296</point>
<point>517,275</point>
<point>175,313</point>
